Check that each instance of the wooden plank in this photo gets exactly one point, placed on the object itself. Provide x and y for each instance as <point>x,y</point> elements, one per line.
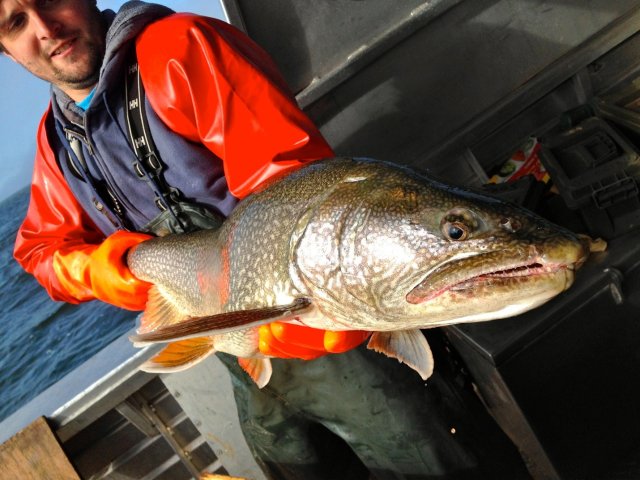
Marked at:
<point>217,476</point>
<point>33,454</point>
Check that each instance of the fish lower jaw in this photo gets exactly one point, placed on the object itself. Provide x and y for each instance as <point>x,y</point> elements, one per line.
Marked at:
<point>507,311</point>
<point>470,307</point>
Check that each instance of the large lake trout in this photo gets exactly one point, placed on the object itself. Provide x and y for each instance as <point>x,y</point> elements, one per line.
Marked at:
<point>349,244</point>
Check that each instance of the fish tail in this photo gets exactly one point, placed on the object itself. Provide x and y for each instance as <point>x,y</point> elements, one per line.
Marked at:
<point>178,356</point>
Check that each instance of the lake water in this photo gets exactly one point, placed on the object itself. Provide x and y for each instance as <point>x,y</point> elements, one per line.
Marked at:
<point>42,340</point>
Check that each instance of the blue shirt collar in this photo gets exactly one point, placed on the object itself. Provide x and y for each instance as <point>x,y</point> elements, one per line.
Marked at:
<point>84,104</point>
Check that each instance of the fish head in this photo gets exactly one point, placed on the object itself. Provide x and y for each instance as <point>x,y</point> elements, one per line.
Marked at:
<point>410,252</point>
<point>494,261</point>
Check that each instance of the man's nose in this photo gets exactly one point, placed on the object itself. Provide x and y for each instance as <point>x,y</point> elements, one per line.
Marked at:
<point>46,26</point>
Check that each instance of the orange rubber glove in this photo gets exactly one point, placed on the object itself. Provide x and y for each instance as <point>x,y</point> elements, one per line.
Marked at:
<point>100,271</point>
<point>285,340</point>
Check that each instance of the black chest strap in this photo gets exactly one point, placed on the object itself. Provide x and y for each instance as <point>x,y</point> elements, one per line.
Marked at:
<point>148,165</point>
<point>176,214</point>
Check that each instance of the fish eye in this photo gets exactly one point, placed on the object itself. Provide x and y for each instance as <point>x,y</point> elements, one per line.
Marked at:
<point>455,231</point>
<point>458,224</point>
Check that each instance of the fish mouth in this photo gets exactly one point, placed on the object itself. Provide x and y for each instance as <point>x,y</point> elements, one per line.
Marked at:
<point>470,274</point>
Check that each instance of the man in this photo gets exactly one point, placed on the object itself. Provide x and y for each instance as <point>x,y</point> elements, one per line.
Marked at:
<point>223,122</point>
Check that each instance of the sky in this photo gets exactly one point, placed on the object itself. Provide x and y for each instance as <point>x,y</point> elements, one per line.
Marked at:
<point>24,98</point>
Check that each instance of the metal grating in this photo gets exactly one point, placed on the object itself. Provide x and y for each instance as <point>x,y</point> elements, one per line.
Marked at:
<point>146,437</point>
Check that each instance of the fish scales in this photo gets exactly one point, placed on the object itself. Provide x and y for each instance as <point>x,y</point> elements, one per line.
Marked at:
<point>368,245</point>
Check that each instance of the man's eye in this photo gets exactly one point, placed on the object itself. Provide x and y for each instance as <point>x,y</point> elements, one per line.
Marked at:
<point>16,22</point>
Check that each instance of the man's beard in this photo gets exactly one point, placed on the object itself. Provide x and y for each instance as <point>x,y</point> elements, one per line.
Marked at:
<point>87,78</point>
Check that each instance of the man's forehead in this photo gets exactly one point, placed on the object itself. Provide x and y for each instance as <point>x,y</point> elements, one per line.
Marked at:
<point>5,3</point>
<point>15,4</point>
<point>8,5</point>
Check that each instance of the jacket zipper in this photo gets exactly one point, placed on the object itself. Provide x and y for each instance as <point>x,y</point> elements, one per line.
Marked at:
<point>112,189</point>
<point>76,140</point>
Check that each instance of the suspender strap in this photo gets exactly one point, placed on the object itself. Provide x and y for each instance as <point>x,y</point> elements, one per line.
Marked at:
<point>177,215</point>
<point>137,125</point>
<point>149,165</point>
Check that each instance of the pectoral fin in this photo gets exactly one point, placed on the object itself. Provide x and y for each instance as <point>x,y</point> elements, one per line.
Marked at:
<point>178,356</point>
<point>221,323</point>
<point>407,346</point>
<point>259,369</point>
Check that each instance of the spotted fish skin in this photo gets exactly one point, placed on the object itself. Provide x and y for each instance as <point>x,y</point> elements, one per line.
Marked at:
<point>372,245</point>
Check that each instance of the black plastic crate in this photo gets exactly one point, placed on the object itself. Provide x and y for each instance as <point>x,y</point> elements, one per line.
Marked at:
<point>561,380</point>
<point>596,171</point>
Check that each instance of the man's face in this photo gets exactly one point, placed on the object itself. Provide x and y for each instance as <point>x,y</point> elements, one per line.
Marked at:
<point>60,41</point>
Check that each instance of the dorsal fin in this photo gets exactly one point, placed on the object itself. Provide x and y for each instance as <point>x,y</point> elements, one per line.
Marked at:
<point>406,346</point>
<point>221,323</point>
<point>159,312</point>
<point>178,356</point>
